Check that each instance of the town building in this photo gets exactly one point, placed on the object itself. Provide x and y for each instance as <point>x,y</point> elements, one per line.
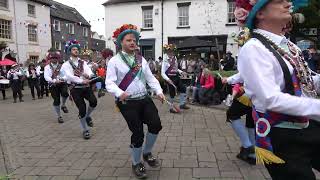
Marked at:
<point>202,27</point>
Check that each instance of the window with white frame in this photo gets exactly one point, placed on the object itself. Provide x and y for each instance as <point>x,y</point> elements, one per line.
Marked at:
<point>231,8</point>
<point>85,32</point>
<point>4,3</point>
<point>85,46</point>
<point>31,10</point>
<point>5,29</point>
<point>56,25</point>
<point>71,28</point>
<point>183,14</point>
<point>32,33</point>
<point>57,45</point>
<point>147,17</point>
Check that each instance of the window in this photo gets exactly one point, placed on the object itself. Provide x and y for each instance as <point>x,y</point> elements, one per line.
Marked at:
<point>56,25</point>
<point>57,45</point>
<point>32,33</point>
<point>147,17</point>
<point>183,14</point>
<point>231,8</point>
<point>85,31</point>
<point>5,29</point>
<point>71,28</point>
<point>85,46</point>
<point>31,10</point>
<point>4,3</point>
<point>34,59</point>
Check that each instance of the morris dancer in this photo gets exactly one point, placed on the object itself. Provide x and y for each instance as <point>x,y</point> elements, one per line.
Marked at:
<point>78,76</point>
<point>14,75</point>
<point>128,73</point>
<point>33,80</point>
<point>171,73</point>
<point>241,105</point>
<point>57,84</point>
<point>282,90</point>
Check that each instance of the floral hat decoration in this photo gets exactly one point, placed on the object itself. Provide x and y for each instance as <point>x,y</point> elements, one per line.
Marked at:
<point>70,44</point>
<point>125,29</point>
<point>246,10</point>
<point>86,52</point>
<point>53,55</point>
<point>169,47</point>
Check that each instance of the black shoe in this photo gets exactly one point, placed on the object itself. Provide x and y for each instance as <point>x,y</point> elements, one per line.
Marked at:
<point>40,97</point>
<point>86,135</point>
<point>139,171</point>
<point>60,120</point>
<point>14,101</point>
<point>33,98</point>
<point>21,100</point>
<point>64,109</point>
<point>245,155</point>
<point>184,107</point>
<point>151,160</point>
<point>89,121</point>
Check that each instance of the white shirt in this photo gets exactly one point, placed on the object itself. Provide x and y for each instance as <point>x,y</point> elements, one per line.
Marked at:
<point>165,65</point>
<point>48,74</point>
<point>264,81</point>
<point>33,75</point>
<point>117,69</point>
<point>67,70</point>
<point>235,79</point>
<point>15,74</point>
<point>38,69</point>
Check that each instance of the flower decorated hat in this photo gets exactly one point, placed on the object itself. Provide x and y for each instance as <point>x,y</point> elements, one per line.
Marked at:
<point>169,47</point>
<point>246,10</point>
<point>86,52</point>
<point>53,55</point>
<point>125,29</point>
<point>71,44</point>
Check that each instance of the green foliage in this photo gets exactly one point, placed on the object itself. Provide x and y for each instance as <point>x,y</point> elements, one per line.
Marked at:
<point>224,73</point>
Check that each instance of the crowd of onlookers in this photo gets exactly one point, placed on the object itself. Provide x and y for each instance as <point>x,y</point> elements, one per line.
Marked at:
<point>203,87</point>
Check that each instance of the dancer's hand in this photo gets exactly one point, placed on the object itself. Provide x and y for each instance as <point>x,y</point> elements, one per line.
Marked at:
<point>224,80</point>
<point>124,96</point>
<point>86,81</point>
<point>170,82</point>
<point>161,97</point>
<point>57,81</point>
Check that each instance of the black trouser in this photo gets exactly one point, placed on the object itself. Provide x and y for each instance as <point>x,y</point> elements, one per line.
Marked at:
<point>299,148</point>
<point>44,87</point>
<point>237,109</point>
<point>181,88</point>
<point>3,93</point>
<point>58,90</point>
<point>22,84</point>
<point>139,112</point>
<point>103,84</point>
<point>79,95</point>
<point>34,83</point>
<point>16,89</point>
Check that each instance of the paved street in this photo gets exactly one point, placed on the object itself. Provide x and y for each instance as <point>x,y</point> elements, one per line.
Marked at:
<point>195,145</point>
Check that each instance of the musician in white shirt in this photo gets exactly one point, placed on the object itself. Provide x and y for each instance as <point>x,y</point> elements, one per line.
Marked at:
<point>57,84</point>
<point>78,74</point>
<point>14,75</point>
<point>126,79</point>
<point>33,79</point>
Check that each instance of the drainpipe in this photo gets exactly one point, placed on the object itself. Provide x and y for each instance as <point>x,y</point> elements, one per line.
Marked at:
<point>16,31</point>
<point>161,28</point>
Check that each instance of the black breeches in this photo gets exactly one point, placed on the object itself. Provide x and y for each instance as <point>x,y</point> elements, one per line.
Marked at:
<point>44,87</point>
<point>34,83</point>
<point>57,91</point>
<point>16,89</point>
<point>181,88</point>
<point>79,95</point>
<point>139,112</point>
<point>237,109</point>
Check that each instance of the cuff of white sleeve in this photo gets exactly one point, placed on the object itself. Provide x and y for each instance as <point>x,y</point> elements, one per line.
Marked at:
<point>118,93</point>
<point>158,92</point>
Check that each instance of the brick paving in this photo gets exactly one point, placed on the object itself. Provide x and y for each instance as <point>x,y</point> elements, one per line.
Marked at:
<point>197,144</point>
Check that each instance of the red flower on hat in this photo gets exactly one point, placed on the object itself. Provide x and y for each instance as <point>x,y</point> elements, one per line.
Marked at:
<point>124,27</point>
<point>243,7</point>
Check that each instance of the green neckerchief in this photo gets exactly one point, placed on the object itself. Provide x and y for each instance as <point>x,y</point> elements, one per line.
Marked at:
<point>130,60</point>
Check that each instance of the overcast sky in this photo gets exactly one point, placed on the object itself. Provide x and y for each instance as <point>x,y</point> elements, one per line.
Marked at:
<point>91,10</point>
